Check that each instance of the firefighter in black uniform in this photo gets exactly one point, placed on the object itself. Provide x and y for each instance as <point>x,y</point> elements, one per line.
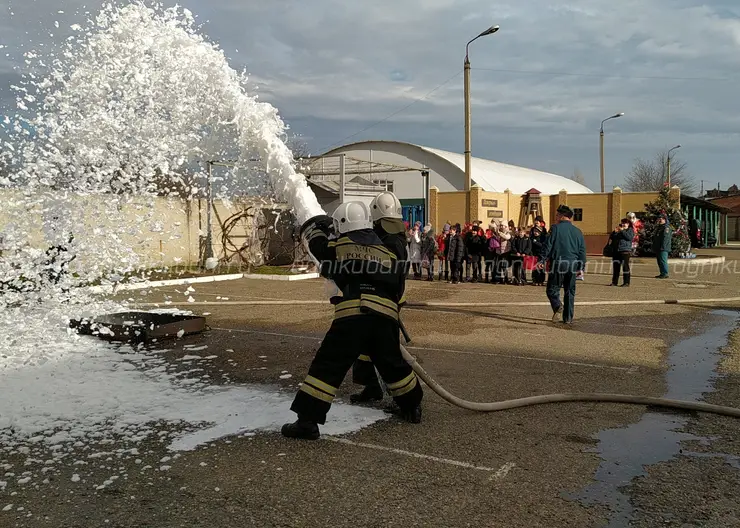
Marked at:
<point>365,321</point>
<point>388,224</point>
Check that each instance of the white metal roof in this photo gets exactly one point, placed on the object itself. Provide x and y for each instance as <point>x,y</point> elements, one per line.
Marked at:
<point>497,177</point>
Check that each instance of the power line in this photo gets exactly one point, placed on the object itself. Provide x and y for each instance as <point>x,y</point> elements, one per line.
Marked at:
<point>341,141</point>
<point>607,76</point>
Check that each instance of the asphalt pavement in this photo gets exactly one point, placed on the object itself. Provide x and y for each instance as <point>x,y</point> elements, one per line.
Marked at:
<point>526,467</point>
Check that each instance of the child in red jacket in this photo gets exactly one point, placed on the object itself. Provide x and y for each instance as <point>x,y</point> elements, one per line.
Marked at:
<point>442,253</point>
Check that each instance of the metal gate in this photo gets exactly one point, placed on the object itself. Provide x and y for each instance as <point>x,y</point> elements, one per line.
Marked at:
<point>412,213</point>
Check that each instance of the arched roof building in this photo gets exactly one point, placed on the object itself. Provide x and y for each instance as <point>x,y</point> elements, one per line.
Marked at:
<point>446,170</point>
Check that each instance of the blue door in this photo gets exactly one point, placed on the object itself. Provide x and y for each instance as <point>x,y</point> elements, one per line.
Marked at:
<point>412,213</point>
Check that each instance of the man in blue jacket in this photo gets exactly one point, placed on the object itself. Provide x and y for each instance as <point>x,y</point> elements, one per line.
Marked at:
<point>662,236</point>
<point>565,249</point>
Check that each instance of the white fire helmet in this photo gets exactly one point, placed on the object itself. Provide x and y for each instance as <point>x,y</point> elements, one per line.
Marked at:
<point>351,216</point>
<point>385,205</point>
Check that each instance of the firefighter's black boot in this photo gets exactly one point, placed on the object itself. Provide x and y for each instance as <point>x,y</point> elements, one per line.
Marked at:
<point>368,394</point>
<point>303,429</point>
<point>411,415</point>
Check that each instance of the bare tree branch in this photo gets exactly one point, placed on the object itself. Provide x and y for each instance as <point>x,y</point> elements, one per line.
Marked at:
<point>298,146</point>
<point>650,175</point>
<point>578,176</point>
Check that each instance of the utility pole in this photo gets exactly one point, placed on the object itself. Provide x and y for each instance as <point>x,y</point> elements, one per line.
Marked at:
<point>468,155</point>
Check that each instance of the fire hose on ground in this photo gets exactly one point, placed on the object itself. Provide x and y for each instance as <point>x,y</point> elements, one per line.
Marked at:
<point>530,400</point>
<point>559,398</point>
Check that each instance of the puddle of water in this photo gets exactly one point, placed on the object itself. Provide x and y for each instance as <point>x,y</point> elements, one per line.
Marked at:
<point>657,436</point>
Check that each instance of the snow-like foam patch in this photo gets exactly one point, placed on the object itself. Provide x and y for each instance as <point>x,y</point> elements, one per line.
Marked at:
<point>70,391</point>
<point>242,409</point>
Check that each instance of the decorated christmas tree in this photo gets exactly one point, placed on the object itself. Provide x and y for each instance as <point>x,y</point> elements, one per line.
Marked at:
<point>664,205</point>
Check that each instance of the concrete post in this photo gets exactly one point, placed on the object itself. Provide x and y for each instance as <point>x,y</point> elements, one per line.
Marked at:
<point>616,212</point>
<point>562,200</point>
<point>434,208</point>
<point>475,196</point>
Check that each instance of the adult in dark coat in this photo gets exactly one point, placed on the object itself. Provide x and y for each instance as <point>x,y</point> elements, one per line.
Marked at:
<point>565,249</point>
<point>621,242</point>
<point>662,236</point>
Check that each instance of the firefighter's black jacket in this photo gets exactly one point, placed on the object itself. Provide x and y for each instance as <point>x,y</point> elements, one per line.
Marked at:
<point>366,272</point>
<point>392,232</point>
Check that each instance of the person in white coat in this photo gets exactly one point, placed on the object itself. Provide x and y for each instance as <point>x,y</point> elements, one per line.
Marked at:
<point>413,237</point>
<point>502,254</point>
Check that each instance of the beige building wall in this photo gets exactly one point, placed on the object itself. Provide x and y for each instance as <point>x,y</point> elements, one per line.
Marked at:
<point>635,202</point>
<point>451,208</point>
<point>488,206</point>
<point>596,210</point>
<point>143,232</point>
<point>600,211</point>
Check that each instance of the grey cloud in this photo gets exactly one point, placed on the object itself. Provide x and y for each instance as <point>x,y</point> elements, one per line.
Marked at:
<point>328,65</point>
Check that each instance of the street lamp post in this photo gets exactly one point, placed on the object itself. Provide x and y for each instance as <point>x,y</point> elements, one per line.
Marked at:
<point>668,164</point>
<point>601,147</point>
<point>208,250</point>
<point>208,253</point>
<point>490,31</point>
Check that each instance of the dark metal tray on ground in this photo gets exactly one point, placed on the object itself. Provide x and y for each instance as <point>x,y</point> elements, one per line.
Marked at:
<point>139,326</point>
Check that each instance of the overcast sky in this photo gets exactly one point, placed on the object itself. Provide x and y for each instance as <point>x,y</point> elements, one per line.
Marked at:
<point>540,86</point>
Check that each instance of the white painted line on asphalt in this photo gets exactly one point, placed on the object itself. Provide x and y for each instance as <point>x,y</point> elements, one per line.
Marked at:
<point>503,471</point>
<point>545,321</point>
<point>158,284</point>
<point>499,472</point>
<point>277,334</point>
<point>233,303</point>
<point>611,324</point>
<point>258,276</point>
<point>468,352</point>
<point>528,358</point>
<point>444,304</point>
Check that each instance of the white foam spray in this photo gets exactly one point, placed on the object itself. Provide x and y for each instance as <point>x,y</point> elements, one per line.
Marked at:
<point>134,103</point>
<point>128,107</point>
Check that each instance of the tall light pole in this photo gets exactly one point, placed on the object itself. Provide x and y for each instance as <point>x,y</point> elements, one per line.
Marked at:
<point>601,147</point>
<point>490,31</point>
<point>668,164</point>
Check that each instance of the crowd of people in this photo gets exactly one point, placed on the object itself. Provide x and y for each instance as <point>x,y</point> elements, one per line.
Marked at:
<point>499,254</point>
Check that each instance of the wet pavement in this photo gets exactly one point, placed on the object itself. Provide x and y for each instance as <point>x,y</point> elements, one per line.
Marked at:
<point>578,465</point>
<point>658,436</point>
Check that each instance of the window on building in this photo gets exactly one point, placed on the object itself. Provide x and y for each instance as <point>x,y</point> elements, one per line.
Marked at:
<point>387,184</point>
<point>578,215</point>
